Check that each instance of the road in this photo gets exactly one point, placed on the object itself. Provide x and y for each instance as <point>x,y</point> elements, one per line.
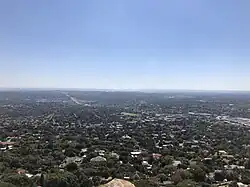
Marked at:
<point>72,98</point>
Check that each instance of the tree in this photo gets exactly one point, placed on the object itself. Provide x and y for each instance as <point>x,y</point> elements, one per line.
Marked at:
<point>15,162</point>
<point>247,164</point>
<point>89,171</point>
<point>204,184</point>
<point>168,169</point>
<point>166,160</point>
<point>233,184</point>
<point>219,176</point>
<point>2,167</point>
<point>71,167</point>
<point>96,180</point>
<point>58,155</point>
<point>70,152</point>
<point>112,162</point>
<point>61,179</point>
<point>5,184</point>
<point>162,177</point>
<point>181,175</point>
<point>42,180</point>
<point>18,180</point>
<point>145,183</point>
<point>231,175</point>
<point>186,183</point>
<point>245,177</point>
<point>198,173</point>
<point>84,181</point>
<point>103,172</point>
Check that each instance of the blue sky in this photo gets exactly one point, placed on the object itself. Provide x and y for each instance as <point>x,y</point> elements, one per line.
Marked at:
<point>125,44</point>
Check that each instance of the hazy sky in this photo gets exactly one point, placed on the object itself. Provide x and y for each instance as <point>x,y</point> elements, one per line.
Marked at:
<point>131,44</point>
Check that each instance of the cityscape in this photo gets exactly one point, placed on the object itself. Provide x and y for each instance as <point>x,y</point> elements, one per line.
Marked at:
<point>94,138</point>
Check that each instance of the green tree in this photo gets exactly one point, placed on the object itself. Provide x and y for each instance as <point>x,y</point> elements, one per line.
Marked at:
<point>186,183</point>
<point>96,180</point>
<point>233,184</point>
<point>70,152</point>
<point>71,167</point>
<point>166,160</point>
<point>176,178</point>
<point>162,177</point>
<point>84,181</point>
<point>181,175</point>
<point>5,184</point>
<point>219,176</point>
<point>61,179</point>
<point>18,180</point>
<point>2,167</point>
<point>231,175</point>
<point>168,169</point>
<point>198,173</point>
<point>246,177</point>
<point>247,164</point>
<point>90,171</point>
<point>145,183</point>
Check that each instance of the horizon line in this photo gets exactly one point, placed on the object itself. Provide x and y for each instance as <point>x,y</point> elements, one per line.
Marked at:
<point>156,90</point>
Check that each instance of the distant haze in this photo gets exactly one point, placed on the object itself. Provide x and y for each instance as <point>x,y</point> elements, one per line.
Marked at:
<point>125,44</point>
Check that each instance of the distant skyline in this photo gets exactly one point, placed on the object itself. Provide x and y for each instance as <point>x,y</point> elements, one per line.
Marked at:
<point>125,44</point>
